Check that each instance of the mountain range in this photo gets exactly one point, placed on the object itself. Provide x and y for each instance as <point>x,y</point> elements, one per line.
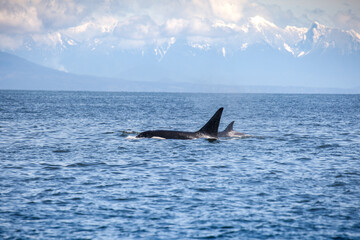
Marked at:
<point>245,59</point>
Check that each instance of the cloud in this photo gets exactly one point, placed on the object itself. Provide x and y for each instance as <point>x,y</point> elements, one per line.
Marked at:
<point>60,14</point>
<point>228,10</point>
<point>347,20</point>
<point>19,17</point>
<point>9,42</point>
<point>140,22</point>
<point>306,12</point>
<point>175,26</point>
<point>137,27</point>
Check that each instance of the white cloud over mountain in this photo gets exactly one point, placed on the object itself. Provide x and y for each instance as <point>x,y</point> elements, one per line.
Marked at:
<point>143,33</point>
<point>137,23</point>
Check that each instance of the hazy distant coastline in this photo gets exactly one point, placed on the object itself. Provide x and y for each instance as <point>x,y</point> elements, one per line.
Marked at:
<point>19,74</point>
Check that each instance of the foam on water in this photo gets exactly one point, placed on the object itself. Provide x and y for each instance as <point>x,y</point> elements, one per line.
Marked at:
<point>132,137</point>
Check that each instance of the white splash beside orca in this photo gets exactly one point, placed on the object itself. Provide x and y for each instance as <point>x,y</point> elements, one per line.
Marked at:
<point>229,132</point>
<point>209,130</point>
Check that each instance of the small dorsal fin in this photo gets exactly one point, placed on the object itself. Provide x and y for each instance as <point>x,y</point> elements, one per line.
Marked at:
<point>229,128</point>
<point>212,126</point>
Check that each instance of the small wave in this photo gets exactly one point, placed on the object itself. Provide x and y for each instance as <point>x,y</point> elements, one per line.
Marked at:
<point>328,146</point>
<point>61,150</point>
<point>204,189</point>
<point>110,132</point>
<point>317,209</point>
<point>352,173</point>
<point>52,167</point>
<point>125,199</point>
<point>337,184</point>
<point>126,133</point>
<point>242,136</point>
<point>131,137</point>
<point>85,164</point>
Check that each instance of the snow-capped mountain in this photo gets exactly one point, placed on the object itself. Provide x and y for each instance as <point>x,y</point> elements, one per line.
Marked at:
<point>111,35</point>
<point>299,41</point>
<point>320,37</point>
<point>256,52</point>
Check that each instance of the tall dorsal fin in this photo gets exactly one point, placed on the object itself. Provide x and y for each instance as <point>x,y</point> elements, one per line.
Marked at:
<point>212,126</point>
<point>229,128</point>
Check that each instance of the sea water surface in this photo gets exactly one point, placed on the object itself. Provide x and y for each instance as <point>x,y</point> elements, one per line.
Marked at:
<point>71,167</point>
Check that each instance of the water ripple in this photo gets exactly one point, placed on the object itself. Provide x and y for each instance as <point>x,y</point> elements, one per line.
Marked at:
<point>72,168</point>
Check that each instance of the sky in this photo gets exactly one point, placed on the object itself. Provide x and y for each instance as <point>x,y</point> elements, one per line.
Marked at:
<point>135,22</point>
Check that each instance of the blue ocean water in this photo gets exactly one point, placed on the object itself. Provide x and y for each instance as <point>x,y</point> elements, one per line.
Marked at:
<point>70,167</point>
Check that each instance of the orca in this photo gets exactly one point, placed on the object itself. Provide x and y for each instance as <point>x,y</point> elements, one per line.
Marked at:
<point>209,130</point>
<point>229,132</point>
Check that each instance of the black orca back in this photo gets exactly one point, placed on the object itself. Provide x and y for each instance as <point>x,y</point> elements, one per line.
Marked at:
<point>212,126</point>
